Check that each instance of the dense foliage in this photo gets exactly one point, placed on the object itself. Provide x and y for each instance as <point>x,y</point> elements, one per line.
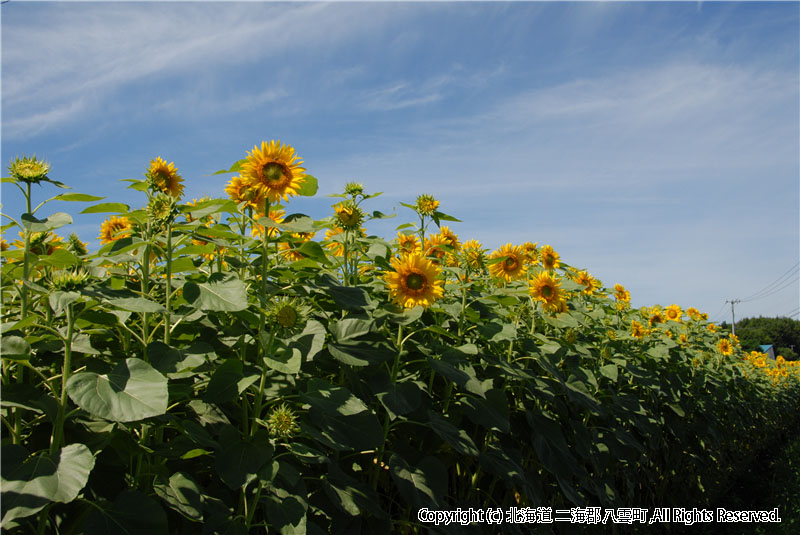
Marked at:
<point>214,369</point>
<point>782,333</point>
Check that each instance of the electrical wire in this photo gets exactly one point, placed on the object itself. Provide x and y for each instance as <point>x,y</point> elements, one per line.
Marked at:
<point>773,291</point>
<point>771,286</point>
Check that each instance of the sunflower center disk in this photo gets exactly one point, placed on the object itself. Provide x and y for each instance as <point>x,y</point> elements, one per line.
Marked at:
<point>511,264</point>
<point>415,281</point>
<point>547,291</point>
<point>274,172</point>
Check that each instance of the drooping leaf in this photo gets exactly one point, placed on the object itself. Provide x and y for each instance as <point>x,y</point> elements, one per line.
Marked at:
<point>52,222</point>
<point>29,485</point>
<point>15,348</point>
<point>182,494</point>
<point>238,460</point>
<point>222,292</point>
<point>132,391</point>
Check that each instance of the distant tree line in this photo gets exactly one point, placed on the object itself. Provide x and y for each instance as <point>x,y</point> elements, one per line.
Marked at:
<point>783,333</point>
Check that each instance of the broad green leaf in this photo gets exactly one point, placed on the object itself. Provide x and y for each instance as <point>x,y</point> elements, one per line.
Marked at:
<point>309,186</point>
<point>416,484</point>
<point>314,251</point>
<point>52,222</point>
<point>360,355</point>
<point>60,258</point>
<point>350,495</point>
<point>238,461</point>
<point>222,292</point>
<point>15,348</point>
<point>29,486</point>
<point>298,223</point>
<point>132,391</point>
<point>135,304</point>
<point>59,301</point>
<point>610,371</point>
<point>457,438</point>
<point>182,494</point>
<point>133,513</point>
<point>350,328</point>
<point>224,384</point>
<point>235,168</point>
<point>107,207</point>
<point>491,412</point>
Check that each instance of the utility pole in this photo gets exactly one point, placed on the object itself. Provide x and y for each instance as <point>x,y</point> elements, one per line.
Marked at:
<point>733,317</point>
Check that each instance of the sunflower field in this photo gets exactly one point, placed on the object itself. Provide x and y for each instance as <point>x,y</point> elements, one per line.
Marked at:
<point>225,366</point>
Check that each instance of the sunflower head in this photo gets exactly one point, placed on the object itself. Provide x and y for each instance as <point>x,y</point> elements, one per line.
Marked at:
<point>426,205</point>
<point>348,215</point>
<point>531,253</point>
<point>276,216</point>
<point>114,228</point>
<point>656,316</point>
<point>288,316</point>
<point>243,191</point>
<point>68,280</point>
<point>725,347</point>
<point>274,170</point>
<point>162,209</point>
<point>549,258</point>
<point>512,265</point>
<point>408,243</point>
<point>673,313</point>
<point>289,250</point>
<point>588,282</point>
<point>354,189</point>
<point>282,422</point>
<point>546,288</point>
<point>433,247</point>
<point>637,329</point>
<point>163,177</point>
<point>711,327</point>
<point>29,169</point>
<point>693,313</point>
<point>450,238</point>
<point>76,246</point>
<point>413,281</point>
<point>41,243</point>
<point>3,244</point>
<point>474,256</point>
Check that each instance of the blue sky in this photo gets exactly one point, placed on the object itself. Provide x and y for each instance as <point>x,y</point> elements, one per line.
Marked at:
<point>656,145</point>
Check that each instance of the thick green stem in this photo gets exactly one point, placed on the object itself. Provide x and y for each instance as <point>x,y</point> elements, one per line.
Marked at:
<point>168,296</point>
<point>145,285</point>
<point>24,309</point>
<point>58,430</point>
<point>387,420</point>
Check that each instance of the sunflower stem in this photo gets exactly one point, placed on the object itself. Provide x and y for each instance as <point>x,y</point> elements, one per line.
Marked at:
<point>58,430</point>
<point>24,309</point>
<point>168,253</point>
<point>387,419</point>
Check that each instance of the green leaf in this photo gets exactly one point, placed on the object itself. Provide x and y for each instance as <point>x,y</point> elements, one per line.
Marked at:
<point>61,300</point>
<point>134,513</point>
<point>107,207</point>
<point>298,223</point>
<point>15,348</point>
<point>351,496</point>
<point>360,355</point>
<point>309,186</point>
<point>314,251</point>
<point>79,197</point>
<point>350,328</point>
<point>132,391</point>
<point>60,258</point>
<point>235,168</point>
<point>238,461</point>
<point>610,371</point>
<point>222,292</point>
<point>417,484</point>
<point>224,384</point>
<point>135,304</point>
<point>54,221</point>
<point>182,494</point>
<point>27,487</point>
<point>343,421</point>
<point>213,206</point>
<point>457,438</point>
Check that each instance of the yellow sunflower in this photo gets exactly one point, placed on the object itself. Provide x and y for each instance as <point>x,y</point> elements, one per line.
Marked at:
<point>550,259</point>
<point>474,258</point>
<point>426,205</point>
<point>673,313</point>
<point>531,253</point>
<point>693,313</point>
<point>41,243</point>
<point>348,215</point>
<point>414,281</point>
<point>114,228</point>
<point>289,250</point>
<point>336,247</point>
<point>450,238</point>
<point>241,190</point>
<point>274,170</point>
<point>656,316</point>
<point>725,347</point>
<point>637,329</point>
<point>546,288</point>
<point>588,282</point>
<point>408,243</point>
<point>165,177</point>
<point>711,327</point>
<point>432,248</point>
<point>276,216</point>
<point>513,267</point>
<point>622,296</point>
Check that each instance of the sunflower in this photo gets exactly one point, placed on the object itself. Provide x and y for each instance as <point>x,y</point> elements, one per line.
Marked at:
<point>426,205</point>
<point>588,282</point>
<point>114,228</point>
<point>433,249</point>
<point>337,247</point>
<point>683,338</point>
<point>274,170</point>
<point>531,253</point>
<point>164,177</point>
<point>725,347</point>
<point>29,169</point>
<point>414,281</point>
<point>637,329</point>
<point>546,288</point>
<point>693,313</point>
<point>550,259</point>
<point>276,216</point>
<point>674,313</point>
<point>474,257</point>
<point>734,339</point>
<point>42,243</point>
<point>656,316</point>
<point>3,244</point>
<point>711,327</point>
<point>450,238</point>
<point>512,267</point>
<point>348,215</point>
<point>289,250</point>
<point>622,296</point>
<point>240,190</point>
<point>408,243</point>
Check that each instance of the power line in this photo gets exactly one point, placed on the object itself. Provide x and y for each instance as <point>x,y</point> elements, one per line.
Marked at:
<point>769,287</point>
<point>773,291</point>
